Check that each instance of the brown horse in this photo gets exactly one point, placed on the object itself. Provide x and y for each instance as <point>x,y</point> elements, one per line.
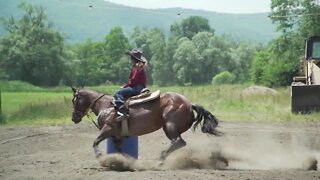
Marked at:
<point>172,112</point>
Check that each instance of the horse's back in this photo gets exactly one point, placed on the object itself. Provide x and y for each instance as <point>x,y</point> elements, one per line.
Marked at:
<point>171,107</point>
<point>176,98</point>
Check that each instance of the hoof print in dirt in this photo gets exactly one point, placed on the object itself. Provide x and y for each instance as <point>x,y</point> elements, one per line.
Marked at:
<point>117,162</point>
<point>219,160</point>
<point>120,166</point>
<point>310,164</point>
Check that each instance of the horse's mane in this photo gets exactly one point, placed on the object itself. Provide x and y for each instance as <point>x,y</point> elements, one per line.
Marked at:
<point>94,91</point>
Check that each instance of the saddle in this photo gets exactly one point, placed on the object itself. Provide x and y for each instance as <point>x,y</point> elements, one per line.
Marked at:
<point>144,96</point>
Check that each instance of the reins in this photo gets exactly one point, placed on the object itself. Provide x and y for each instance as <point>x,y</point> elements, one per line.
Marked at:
<point>89,110</point>
<point>93,121</point>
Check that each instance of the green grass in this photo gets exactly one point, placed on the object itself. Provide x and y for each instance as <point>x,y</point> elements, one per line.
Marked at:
<point>53,106</point>
<point>14,101</point>
<point>227,103</point>
<point>43,110</point>
<point>18,86</point>
<point>23,103</point>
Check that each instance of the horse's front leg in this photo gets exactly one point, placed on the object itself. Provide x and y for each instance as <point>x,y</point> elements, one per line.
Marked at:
<point>103,135</point>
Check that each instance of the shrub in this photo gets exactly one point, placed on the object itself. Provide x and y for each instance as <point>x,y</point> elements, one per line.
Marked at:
<point>223,78</point>
<point>18,86</point>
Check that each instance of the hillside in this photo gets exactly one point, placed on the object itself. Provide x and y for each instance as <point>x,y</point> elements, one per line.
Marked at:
<point>79,20</point>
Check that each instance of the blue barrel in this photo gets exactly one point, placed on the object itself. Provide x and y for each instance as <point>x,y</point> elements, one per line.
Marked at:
<point>129,146</point>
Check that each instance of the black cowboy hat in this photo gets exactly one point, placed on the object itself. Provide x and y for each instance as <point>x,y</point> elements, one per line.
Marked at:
<point>137,55</point>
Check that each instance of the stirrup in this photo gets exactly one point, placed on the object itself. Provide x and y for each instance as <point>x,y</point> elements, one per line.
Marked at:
<point>122,116</point>
<point>120,113</point>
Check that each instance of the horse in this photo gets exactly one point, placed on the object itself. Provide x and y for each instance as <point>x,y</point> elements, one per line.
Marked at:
<point>170,111</point>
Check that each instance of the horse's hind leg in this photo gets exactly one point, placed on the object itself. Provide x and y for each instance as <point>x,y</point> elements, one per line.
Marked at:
<point>175,144</point>
<point>176,140</point>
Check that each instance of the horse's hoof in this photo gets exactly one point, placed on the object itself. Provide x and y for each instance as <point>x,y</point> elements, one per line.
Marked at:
<point>160,164</point>
<point>163,156</point>
<point>98,155</point>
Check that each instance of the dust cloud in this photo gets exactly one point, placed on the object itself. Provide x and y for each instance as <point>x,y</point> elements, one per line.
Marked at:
<point>182,159</point>
<point>257,151</point>
<point>265,152</point>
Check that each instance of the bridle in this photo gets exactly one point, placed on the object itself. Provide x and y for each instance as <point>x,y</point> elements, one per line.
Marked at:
<point>88,110</point>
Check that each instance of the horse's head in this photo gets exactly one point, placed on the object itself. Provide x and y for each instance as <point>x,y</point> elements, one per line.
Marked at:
<point>80,106</point>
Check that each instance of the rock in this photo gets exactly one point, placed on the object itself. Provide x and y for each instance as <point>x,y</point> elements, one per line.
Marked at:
<point>259,90</point>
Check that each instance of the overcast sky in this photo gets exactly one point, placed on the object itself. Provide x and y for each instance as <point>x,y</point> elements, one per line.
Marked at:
<point>224,6</point>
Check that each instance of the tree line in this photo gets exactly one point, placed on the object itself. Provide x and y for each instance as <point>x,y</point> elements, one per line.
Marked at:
<point>34,52</point>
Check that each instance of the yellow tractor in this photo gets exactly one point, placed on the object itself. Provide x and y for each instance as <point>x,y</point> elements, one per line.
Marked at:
<point>305,89</point>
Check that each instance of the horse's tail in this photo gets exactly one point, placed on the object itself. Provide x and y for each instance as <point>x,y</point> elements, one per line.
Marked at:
<point>209,121</point>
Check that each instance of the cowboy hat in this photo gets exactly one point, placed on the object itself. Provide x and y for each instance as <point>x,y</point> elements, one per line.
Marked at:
<point>137,55</point>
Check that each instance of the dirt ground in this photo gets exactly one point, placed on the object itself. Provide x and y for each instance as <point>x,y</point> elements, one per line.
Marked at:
<point>253,150</point>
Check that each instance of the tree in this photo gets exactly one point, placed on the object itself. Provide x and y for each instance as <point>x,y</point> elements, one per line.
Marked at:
<point>191,26</point>
<point>32,51</point>
<point>116,43</point>
<point>196,61</point>
<point>284,13</point>
<point>296,14</point>
<point>259,64</point>
<point>208,63</point>
<point>186,60</point>
<point>152,43</point>
<point>297,20</point>
<point>220,52</point>
<point>162,71</point>
<point>277,64</point>
<point>242,56</point>
<point>88,63</point>
<point>100,62</point>
<point>115,66</point>
<point>310,20</point>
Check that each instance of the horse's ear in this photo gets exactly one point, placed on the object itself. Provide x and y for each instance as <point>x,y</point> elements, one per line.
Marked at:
<point>73,89</point>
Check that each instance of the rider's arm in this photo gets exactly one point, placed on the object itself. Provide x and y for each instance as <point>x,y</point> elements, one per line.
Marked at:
<point>137,77</point>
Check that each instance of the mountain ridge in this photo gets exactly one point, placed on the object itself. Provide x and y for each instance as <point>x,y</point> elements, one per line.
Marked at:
<point>79,20</point>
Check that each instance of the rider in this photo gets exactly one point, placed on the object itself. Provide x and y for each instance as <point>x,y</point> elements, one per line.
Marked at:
<point>137,81</point>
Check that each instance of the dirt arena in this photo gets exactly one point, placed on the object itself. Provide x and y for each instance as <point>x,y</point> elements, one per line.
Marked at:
<point>287,150</point>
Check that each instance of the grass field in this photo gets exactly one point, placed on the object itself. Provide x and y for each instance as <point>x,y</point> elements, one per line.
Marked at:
<point>53,106</point>
<point>23,103</point>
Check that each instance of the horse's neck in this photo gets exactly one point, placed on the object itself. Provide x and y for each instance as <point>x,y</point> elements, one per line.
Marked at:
<point>99,103</point>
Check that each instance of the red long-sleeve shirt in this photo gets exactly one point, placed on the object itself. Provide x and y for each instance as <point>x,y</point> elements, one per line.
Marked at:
<point>137,77</point>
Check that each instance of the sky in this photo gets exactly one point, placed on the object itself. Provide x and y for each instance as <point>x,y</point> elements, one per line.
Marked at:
<point>222,6</point>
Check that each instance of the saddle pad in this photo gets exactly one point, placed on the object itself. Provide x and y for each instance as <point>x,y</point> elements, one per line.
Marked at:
<point>151,97</point>
<point>144,93</point>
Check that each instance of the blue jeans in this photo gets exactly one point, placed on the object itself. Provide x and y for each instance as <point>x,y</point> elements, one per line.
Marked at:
<point>120,95</point>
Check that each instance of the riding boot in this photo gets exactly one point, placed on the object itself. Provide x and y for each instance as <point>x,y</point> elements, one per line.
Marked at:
<point>123,113</point>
